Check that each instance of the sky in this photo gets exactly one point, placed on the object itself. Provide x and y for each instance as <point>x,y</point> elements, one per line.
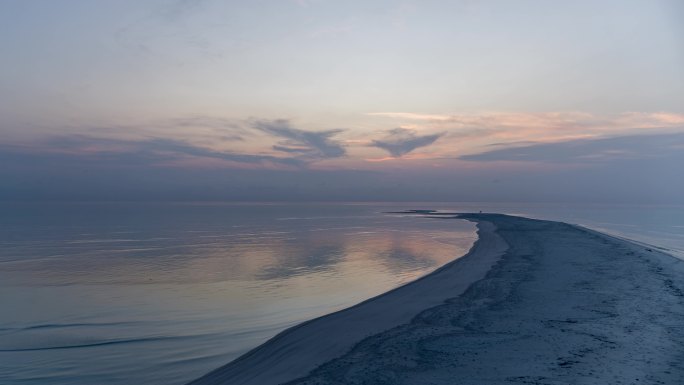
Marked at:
<point>321,100</point>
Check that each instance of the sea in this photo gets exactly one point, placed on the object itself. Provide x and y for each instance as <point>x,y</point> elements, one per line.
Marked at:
<point>161,293</point>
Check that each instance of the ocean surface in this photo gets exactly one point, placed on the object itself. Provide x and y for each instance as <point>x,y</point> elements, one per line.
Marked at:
<point>132,293</point>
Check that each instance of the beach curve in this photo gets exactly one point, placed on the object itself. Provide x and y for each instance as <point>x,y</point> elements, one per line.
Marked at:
<point>559,304</point>
<point>296,351</point>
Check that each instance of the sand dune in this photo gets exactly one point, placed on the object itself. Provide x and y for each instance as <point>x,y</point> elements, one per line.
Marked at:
<point>534,302</point>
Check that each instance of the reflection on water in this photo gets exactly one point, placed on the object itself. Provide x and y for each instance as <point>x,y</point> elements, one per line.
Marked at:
<point>160,294</point>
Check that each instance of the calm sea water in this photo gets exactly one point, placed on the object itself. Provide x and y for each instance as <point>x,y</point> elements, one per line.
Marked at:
<point>162,293</point>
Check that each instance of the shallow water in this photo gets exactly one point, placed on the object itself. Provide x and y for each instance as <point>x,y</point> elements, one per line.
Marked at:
<point>162,293</point>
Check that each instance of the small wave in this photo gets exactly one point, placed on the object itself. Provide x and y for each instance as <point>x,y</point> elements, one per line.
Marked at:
<point>72,325</point>
<point>96,344</point>
<point>337,228</point>
<point>7,331</point>
<point>86,241</point>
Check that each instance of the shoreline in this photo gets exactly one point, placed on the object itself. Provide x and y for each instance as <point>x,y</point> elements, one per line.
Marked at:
<point>296,351</point>
<point>532,302</point>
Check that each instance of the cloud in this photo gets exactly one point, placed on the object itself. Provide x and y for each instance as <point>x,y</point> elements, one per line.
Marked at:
<point>292,150</point>
<point>465,133</point>
<point>411,116</point>
<point>207,121</point>
<point>589,150</point>
<point>195,139</point>
<point>205,129</point>
<point>401,141</point>
<point>74,149</point>
<point>312,145</point>
<point>180,24</point>
<point>632,169</point>
<point>168,145</point>
<point>552,125</point>
<point>546,119</point>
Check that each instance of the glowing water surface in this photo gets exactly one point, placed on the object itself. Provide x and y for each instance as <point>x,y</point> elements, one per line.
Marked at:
<point>131,293</point>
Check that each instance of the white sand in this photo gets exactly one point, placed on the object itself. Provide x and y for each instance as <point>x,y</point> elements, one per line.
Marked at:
<point>564,305</point>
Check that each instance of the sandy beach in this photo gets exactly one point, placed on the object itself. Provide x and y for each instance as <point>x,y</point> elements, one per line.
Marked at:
<point>533,302</point>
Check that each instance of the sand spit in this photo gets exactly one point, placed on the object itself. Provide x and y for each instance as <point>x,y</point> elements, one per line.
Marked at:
<point>564,305</point>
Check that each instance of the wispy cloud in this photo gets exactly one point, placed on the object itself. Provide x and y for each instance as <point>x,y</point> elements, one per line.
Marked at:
<point>117,153</point>
<point>215,141</point>
<point>255,142</point>
<point>411,116</point>
<point>311,144</point>
<point>401,141</point>
<point>178,147</point>
<point>545,120</point>
<point>198,129</point>
<point>589,150</point>
<point>468,132</point>
<point>178,22</point>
